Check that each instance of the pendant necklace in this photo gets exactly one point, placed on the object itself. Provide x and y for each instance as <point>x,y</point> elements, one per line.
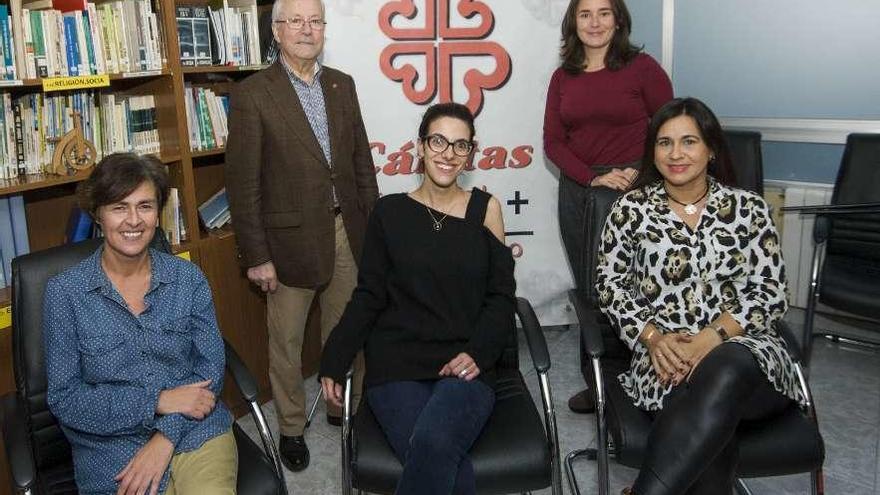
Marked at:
<point>438,224</point>
<point>689,208</point>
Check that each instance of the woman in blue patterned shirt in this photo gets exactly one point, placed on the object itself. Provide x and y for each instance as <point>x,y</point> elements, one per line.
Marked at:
<point>134,357</point>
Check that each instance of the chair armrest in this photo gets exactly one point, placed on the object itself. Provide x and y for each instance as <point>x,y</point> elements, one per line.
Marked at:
<point>792,343</point>
<point>591,335</point>
<point>534,337</point>
<point>17,442</point>
<point>821,229</point>
<point>240,374</point>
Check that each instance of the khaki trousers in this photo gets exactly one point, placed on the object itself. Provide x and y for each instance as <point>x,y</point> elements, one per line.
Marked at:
<point>212,469</point>
<point>288,309</point>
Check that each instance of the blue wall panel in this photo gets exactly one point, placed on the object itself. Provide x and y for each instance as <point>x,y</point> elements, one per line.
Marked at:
<point>647,16</point>
<point>807,162</point>
<point>780,58</point>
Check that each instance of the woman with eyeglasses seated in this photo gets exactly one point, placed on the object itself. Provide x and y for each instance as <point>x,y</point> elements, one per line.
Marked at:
<point>134,358</point>
<point>432,310</point>
<point>691,274</point>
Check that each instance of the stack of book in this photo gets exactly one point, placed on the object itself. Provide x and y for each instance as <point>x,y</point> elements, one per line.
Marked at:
<point>171,220</point>
<point>13,235</point>
<point>215,211</point>
<point>78,38</point>
<point>206,114</point>
<point>224,33</point>
<point>110,121</point>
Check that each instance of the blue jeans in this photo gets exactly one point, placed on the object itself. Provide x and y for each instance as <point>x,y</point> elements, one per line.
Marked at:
<point>431,426</point>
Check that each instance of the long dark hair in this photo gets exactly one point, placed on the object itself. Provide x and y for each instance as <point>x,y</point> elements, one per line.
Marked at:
<point>620,52</point>
<point>721,168</point>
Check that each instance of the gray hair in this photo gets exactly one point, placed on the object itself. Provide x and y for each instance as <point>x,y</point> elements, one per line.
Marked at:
<point>276,6</point>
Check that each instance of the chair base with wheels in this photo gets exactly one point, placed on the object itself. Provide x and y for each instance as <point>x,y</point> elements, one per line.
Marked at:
<point>515,453</point>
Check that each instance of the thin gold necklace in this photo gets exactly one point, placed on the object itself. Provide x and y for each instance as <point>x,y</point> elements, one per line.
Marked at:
<point>689,208</point>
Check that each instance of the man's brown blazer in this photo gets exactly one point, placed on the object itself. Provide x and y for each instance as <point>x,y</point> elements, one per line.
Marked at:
<point>278,180</point>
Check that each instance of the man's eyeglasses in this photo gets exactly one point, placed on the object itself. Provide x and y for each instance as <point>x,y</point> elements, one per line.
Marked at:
<point>438,144</point>
<point>298,23</point>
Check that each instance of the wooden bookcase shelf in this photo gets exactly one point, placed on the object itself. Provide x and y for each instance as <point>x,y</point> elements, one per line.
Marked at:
<point>212,152</point>
<point>241,310</point>
<point>223,69</point>
<point>30,84</point>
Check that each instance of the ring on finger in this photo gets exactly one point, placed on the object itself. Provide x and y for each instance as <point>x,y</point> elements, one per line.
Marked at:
<point>464,372</point>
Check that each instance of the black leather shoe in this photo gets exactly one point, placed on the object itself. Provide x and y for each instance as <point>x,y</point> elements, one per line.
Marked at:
<point>582,402</point>
<point>294,452</point>
<point>334,420</point>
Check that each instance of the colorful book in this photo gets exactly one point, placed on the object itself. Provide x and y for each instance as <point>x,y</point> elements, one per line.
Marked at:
<point>71,45</point>
<point>201,35</point>
<point>41,65</point>
<point>79,226</point>
<point>18,219</point>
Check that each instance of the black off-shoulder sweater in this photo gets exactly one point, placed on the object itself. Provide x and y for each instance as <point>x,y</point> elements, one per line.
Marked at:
<point>423,296</point>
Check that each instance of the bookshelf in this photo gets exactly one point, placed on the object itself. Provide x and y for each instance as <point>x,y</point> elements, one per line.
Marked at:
<point>197,175</point>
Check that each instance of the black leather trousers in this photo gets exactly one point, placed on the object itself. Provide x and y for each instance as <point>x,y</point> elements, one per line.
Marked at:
<point>692,446</point>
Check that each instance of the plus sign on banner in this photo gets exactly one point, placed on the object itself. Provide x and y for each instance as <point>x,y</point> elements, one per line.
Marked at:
<point>496,57</point>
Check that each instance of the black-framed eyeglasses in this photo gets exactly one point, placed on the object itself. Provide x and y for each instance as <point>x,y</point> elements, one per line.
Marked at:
<point>438,144</point>
<point>298,23</point>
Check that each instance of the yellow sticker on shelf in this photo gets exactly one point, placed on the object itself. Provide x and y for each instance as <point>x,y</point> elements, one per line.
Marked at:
<point>75,82</point>
<point>5,317</point>
<point>184,255</point>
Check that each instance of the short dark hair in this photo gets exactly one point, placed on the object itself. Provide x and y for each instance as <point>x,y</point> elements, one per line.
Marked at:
<point>450,109</point>
<point>117,175</point>
<point>720,168</point>
<point>621,51</point>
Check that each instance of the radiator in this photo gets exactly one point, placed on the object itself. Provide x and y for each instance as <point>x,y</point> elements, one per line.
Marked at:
<point>796,231</point>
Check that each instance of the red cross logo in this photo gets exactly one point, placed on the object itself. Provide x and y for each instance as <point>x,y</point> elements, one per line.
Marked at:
<point>439,42</point>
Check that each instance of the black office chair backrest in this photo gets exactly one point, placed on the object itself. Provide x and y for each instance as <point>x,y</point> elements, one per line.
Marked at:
<point>30,274</point>
<point>852,255</point>
<point>748,163</point>
<point>601,200</point>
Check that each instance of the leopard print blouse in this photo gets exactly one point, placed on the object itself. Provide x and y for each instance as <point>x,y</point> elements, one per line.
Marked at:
<point>653,268</point>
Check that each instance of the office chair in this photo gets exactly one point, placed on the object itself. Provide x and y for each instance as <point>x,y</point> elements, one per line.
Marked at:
<point>748,162</point>
<point>847,278</point>
<point>786,444</point>
<point>38,452</point>
<point>515,453</point>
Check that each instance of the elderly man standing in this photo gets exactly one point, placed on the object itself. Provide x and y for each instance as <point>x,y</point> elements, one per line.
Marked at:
<point>301,183</point>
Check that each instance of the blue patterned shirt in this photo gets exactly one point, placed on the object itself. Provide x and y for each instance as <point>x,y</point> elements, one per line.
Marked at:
<point>106,367</point>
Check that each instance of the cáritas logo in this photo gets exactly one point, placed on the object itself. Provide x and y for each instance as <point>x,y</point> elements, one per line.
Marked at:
<point>440,43</point>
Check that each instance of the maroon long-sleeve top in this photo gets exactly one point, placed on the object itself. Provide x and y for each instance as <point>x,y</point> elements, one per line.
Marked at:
<point>601,118</point>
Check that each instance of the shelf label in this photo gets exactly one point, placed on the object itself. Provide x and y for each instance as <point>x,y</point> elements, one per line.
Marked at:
<point>10,82</point>
<point>143,73</point>
<point>76,82</point>
<point>5,317</point>
<point>184,255</point>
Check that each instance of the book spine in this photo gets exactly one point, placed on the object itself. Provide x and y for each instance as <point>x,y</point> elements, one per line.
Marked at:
<point>40,64</point>
<point>121,37</point>
<point>19,140</point>
<point>97,41</point>
<point>86,40</point>
<point>6,35</point>
<point>205,121</point>
<point>18,219</point>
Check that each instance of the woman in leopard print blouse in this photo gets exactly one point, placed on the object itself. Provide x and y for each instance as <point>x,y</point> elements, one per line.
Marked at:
<point>691,274</point>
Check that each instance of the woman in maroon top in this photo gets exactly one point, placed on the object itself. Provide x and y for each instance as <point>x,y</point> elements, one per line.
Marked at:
<point>598,106</point>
